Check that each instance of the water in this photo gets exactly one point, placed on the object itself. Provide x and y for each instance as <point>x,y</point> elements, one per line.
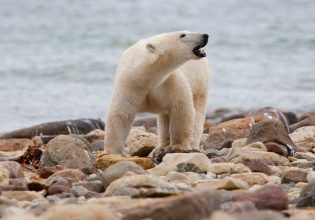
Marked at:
<point>57,58</point>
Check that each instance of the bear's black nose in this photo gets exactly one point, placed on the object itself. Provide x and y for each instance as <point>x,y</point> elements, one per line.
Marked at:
<point>205,36</point>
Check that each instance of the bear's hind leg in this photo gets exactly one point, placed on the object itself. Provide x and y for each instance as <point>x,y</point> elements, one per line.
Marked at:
<point>200,104</point>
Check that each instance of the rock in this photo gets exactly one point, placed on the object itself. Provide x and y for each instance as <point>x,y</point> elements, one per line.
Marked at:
<point>57,189</point>
<point>258,215</point>
<point>307,196</point>
<point>238,143</point>
<point>107,160</point>
<point>50,130</point>
<point>46,172</point>
<point>71,175</point>
<point>242,206</point>
<point>24,196</point>
<point>311,177</point>
<point>95,135</point>
<point>305,155</point>
<point>228,183</point>
<point>271,131</point>
<point>227,168</point>
<point>257,165</point>
<point>79,191</point>
<point>187,177</point>
<point>14,169</point>
<point>304,134</point>
<point>190,206</point>
<point>141,143</point>
<point>97,145</point>
<point>15,144</point>
<point>267,197</point>
<point>305,120</point>
<point>223,137</point>
<point>277,148</point>
<point>294,176</point>
<point>269,158</point>
<point>189,167</point>
<point>170,162</point>
<point>144,185</point>
<point>4,176</point>
<point>93,186</point>
<point>68,152</point>
<point>252,178</point>
<point>79,211</point>
<point>219,215</point>
<point>302,163</point>
<point>146,122</point>
<point>31,156</point>
<point>118,170</point>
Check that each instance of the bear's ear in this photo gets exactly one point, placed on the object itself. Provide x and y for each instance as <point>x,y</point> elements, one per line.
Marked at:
<point>152,48</point>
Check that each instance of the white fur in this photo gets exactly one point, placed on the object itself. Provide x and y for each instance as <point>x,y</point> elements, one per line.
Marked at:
<point>162,75</point>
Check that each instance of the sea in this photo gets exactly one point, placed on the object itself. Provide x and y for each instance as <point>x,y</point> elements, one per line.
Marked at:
<point>58,57</point>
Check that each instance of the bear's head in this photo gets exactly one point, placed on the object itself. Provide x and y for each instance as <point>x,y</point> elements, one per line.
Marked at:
<point>177,47</point>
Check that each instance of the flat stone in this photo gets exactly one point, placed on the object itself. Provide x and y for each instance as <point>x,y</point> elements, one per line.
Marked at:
<point>252,178</point>
<point>228,168</point>
<point>257,165</point>
<point>144,185</point>
<point>228,183</point>
<point>269,158</point>
<point>171,161</point>
<point>120,169</point>
<point>107,160</point>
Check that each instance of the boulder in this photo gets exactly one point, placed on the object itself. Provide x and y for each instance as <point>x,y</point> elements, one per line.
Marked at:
<point>68,152</point>
<point>271,131</point>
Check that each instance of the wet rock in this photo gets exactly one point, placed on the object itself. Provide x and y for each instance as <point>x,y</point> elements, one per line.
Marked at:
<point>171,161</point>
<point>97,145</point>
<point>307,196</point>
<point>57,189</point>
<point>227,168</point>
<point>71,175</point>
<point>223,137</point>
<point>141,143</point>
<point>294,176</point>
<point>4,176</point>
<point>144,185</point>
<point>107,160</point>
<point>271,131</point>
<point>228,183</point>
<point>118,170</point>
<point>269,158</point>
<point>267,197</point>
<point>14,169</point>
<point>257,165</point>
<point>15,144</point>
<point>93,186</point>
<point>252,178</point>
<point>68,152</point>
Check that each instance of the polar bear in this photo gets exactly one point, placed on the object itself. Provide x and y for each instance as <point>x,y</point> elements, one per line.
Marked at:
<point>166,74</point>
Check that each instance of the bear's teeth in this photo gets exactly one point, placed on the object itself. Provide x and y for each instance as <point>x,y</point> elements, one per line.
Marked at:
<point>202,49</point>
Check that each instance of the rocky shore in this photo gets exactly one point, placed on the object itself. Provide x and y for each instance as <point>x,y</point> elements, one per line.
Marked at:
<point>251,165</point>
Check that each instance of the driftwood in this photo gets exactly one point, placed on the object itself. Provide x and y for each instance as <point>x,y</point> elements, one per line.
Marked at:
<point>49,130</point>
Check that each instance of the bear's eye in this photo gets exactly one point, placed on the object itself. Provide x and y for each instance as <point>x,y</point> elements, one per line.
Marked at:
<point>183,35</point>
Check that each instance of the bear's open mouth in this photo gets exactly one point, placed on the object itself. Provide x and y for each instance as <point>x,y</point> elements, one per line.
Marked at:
<point>199,51</point>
